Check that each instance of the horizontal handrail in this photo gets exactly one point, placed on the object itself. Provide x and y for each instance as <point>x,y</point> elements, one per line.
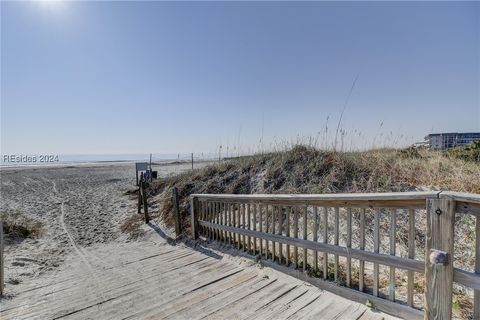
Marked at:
<point>324,197</point>
<point>411,200</point>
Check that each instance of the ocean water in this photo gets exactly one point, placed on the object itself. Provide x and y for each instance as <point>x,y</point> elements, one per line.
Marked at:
<point>53,159</point>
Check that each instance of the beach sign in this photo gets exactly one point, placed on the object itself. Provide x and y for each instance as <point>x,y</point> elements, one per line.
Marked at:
<point>141,166</point>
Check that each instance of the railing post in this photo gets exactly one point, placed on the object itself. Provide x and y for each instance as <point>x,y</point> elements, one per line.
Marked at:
<point>176,212</point>
<point>439,258</point>
<point>194,216</point>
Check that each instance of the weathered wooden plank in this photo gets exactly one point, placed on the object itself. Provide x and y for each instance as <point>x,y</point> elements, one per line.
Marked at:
<point>384,259</point>
<point>471,198</point>
<point>393,226</point>
<point>349,245</point>
<point>468,279</point>
<point>438,275</point>
<point>416,195</point>
<point>465,202</point>
<point>411,255</point>
<point>376,249</point>
<point>384,305</point>
<point>361,272</point>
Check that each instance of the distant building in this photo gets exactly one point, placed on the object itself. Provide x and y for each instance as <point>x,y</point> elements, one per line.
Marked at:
<point>443,141</point>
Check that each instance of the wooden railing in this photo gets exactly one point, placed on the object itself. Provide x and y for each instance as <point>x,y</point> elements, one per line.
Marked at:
<point>394,251</point>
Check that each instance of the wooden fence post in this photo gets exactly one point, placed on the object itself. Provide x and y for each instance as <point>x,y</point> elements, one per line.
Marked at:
<point>176,212</point>
<point>139,184</point>
<point>439,258</point>
<point>194,216</point>
<point>145,203</point>
<point>2,264</point>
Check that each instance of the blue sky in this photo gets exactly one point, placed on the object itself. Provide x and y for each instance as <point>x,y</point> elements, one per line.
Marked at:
<point>132,77</point>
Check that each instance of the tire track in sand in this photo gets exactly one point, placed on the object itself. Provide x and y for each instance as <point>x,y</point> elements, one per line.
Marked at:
<point>77,249</point>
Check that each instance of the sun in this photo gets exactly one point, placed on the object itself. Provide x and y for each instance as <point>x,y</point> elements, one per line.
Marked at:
<point>51,6</point>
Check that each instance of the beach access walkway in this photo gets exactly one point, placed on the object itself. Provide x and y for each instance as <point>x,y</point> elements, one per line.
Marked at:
<point>158,279</point>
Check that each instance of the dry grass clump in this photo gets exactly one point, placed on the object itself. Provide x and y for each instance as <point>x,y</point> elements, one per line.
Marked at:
<point>17,226</point>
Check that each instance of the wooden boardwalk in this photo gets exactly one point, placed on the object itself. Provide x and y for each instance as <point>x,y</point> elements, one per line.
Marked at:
<point>148,280</point>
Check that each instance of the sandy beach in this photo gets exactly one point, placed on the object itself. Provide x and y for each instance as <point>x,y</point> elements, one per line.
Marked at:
<point>78,206</point>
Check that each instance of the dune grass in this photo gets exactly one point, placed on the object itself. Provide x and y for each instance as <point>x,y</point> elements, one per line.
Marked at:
<point>307,170</point>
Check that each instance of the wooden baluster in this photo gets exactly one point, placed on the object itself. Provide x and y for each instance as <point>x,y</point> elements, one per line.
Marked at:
<point>205,218</point>
<point>376,249</point>
<point>305,252</point>
<point>315,237</point>
<point>336,237</point>
<point>361,272</point>
<point>325,240</point>
<point>254,228</point>
<point>393,226</point>
<point>239,236</point>
<point>215,220</point>
<point>221,210</point>
<point>194,216</point>
<point>229,222</point>
<point>234,224</point>
<point>280,232</point>
<point>411,255</point>
<point>295,235</point>
<point>273,232</point>
<point>200,216</point>
<point>349,245</point>
<point>260,225</point>
<point>225,214</point>
<point>249,217</point>
<point>219,220</point>
<point>287,256</point>
<point>268,228</point>
<point>212,213</point>
<point>244,224</point>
